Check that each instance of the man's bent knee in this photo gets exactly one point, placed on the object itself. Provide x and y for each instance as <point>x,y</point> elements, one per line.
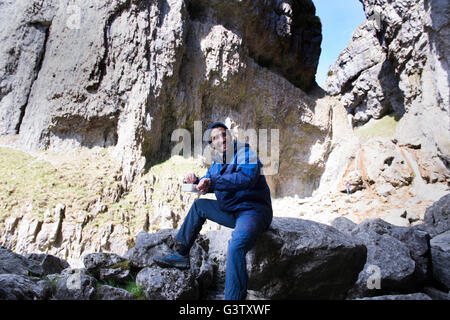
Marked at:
<point>241,242</point>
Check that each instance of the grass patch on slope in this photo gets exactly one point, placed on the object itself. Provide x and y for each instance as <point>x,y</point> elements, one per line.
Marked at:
<point>73,179</point>
<point>384,127</point>
<point>82,179</point>
<point>163,182</point>
<point>166,188</point>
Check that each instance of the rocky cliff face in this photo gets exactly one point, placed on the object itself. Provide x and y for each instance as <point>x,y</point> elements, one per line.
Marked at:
<point>122,75</point>
<point>397,62</point>
<point>128,73</point>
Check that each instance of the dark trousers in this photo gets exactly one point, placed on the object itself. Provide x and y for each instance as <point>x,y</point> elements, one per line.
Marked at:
<point>247,225</point>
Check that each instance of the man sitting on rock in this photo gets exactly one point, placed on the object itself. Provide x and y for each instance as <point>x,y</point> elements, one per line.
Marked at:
<point>243,203</point>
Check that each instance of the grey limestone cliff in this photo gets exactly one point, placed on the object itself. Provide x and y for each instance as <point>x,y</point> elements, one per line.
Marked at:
<point>127,73</point>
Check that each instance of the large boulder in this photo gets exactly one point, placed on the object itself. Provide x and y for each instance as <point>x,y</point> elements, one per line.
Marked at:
<point>168,284</point>
<point>436,224</point>
<point>20,287</point>
<point>37,264</point>
<point>415,240</point>
<point>436,218</point>
<point>298,259</point>
<point>384,163</point>
<point>107,266</point>
<point>42,264</point>
<point>74,284</point>
<point>149,245</point>
<point>397,257</point>
<point>11,262</point>
<point>217,251</point>
<point>159,283</point>
<point>62,234</point>
<point>440,256</point>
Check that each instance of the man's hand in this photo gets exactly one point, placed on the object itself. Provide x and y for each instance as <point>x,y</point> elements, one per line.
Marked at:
<point>190,178</point>
<point>203,185</point>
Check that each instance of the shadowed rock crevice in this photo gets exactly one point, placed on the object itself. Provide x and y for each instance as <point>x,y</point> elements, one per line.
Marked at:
<point>43,27</point>
<point>24,36</point>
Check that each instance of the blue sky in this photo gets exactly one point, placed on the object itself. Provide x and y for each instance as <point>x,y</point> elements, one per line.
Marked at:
<point>339,20</point>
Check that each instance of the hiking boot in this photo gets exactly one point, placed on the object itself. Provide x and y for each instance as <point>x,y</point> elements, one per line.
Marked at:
<point>173,261</point>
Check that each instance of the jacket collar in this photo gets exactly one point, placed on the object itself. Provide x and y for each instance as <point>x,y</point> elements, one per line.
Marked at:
<point>222,159</point>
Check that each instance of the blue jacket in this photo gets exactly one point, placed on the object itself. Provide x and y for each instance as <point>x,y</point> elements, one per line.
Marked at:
<point>239,185</point>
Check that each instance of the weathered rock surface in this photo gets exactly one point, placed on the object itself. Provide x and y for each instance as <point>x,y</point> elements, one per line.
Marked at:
<point>436,224</point>
<point>11,262</point>
<point>436,294</point>
<point>436,218</point>
<point>365,78</point>
<point>61,234</point>
<point>382,165</point>
<point>75,284</point>
<point>107,266</point>
<point>397,257</point>
<point>127,73</point>
<point>19,287</point>
<point>299,259</point>
<point>295,258</point>
<point>440,255</point>
<point>149,245</point>
<point>157,283</point>
<point>45,264</point>
<point>35,264</point>
<point>168,284</point>
<point>397,61</point>
<point>412,296</point>
<point>106,292</point>
<point>24,33</point>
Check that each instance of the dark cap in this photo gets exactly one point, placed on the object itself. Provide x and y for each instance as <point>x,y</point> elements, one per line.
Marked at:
<point>213,125</point>
<point>217,124</point>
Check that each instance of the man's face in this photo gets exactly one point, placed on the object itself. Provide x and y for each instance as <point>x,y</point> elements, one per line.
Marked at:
<point>219,139</point>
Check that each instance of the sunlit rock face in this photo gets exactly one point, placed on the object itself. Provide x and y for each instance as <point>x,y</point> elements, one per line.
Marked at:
<point>128,73</point>
<point>397,62</point>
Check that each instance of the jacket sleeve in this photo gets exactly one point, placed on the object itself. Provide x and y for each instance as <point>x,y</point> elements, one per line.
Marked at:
<point>207,175</point>
<point>244,177</point>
